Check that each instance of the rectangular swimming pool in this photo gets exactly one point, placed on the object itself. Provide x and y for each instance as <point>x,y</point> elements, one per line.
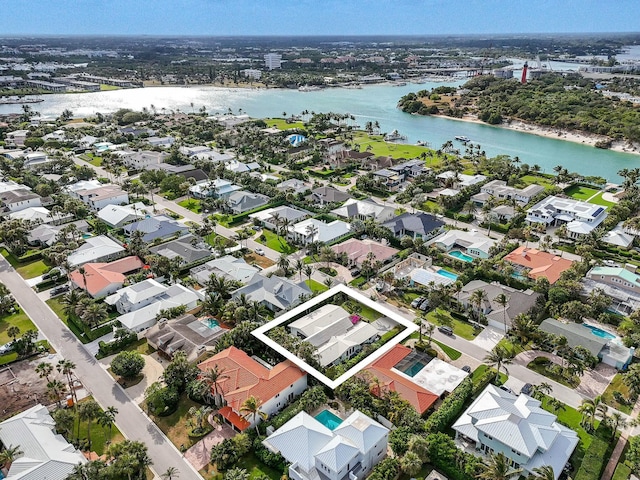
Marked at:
<point>460,256</point>
<point>413,369</point>
<point>448,274</point>
<point>328,419</point>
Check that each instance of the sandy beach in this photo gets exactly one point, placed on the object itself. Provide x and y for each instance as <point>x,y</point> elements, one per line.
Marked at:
<point>568,135</point>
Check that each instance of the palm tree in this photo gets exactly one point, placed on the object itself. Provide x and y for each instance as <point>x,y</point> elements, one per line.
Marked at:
<point>69,301</point>
<point>91,313</point>
<point>211,377</point>
<point>632,379</point>
<point>298,267</point>
<point>587,409</point>
<point>13,332</point>
<point>498,358</point>
<point>498,468</point>
<point>283,263</point>
<point>544,473</point>
<point>308,271</point>
<point>55,389</point>
<point>503,301</point>
<point>251,408</point>
<point>66,367</point>
<point>173,472</point>
<point>200,415</point>
<point>236,473</point>
<point>410,463</point>
<point>617,421</point>
<point>89,410</point>
<point>538,391</point>
<point>44,369</point>
<point>9,454</point>
<point>478,297</point>
<point>107,418</point>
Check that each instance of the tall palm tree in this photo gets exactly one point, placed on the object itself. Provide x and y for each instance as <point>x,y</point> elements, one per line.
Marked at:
<point>498,357</point>
<point>211,377</point>
<point>107,418</point>
<point>44,370</point>
<point>89,410</point>
<point>477,298</point>
<point>251,408</point>
<point>91,313</point>
<point>66,367</point>
<point>69,301</point>
<point>298,266</point>
<point>498,468</point>
<point>55,389</point>
<point>308,271</point>
<point>587,409</point>
<point>503,301</point>
<point>200,416</point>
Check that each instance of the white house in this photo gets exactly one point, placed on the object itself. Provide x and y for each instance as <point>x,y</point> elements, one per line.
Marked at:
<point>269,217</point>
<point>275,293</point>
<point>336,334</point>
<point>460,180</point>
<point>16,138</point>
<point>118,216</point>
<point>349,451</point>
<point>474,244</point>
<point>217,188</point>
<point>229,267</point>
<point>314,230</point>
<point>580,217</point>
<point>499,190</point>
<point>365,210</point>
<point>34,159</point>
<point>163,142</point>
<point>293,185</point>
<point>272,61</point>
<point>136,296</point>
<point>518,427</point>
<point>96,249</point>
<point>20,199</point>
<point>44,453</point>
<point>143,160</point>
<point>96,195</point>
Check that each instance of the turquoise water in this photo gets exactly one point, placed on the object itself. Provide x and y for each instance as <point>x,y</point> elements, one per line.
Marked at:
<point>211,322</point>
<point>413,370</point>
<point>328,419</point>
<point>448,274</point>
<point>371,103</point>
<point>460,256</point>
<point>598,332</point>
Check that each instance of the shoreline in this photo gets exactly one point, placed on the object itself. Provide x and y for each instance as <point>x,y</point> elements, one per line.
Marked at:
<point>589,139</point>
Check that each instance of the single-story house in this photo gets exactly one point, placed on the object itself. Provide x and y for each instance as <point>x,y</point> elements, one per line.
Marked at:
<point>293,185</point>
<point>102,279</point>
<point>154,228</point>
<point>269,216</point>
<point>415,225</point>
<point>96,249</point>
<point>365,210</point>
<point>360,250</point>
<point>275,293</point>
<point>189,248</point>
<point>536,264</point>
<point>324,195</point>
<point>314,230</point>
<point>40,215</point>
<point>46,234</point>
<point>619,237</point>
<point>229,267</point>
<point>117,216</point>
<point>241,201</point>
<point>471,243</point>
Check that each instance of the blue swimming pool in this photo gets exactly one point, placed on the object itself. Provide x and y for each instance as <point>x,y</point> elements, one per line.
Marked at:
<point>598,332</point>
<point>448,274</point>
<point>413,369</point>
<point>211,322</point>
<point>460,256</point>
<point>328,419</point>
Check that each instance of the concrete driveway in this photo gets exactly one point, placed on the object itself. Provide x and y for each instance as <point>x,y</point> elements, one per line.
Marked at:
<point>488,338</point>
<point>200,454</point>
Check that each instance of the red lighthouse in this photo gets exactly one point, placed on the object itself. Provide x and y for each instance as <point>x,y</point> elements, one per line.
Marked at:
<point>524,73</point>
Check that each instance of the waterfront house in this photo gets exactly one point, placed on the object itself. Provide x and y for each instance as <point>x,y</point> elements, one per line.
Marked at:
<point>533,263</point>
<point>580,217</point>
<point>244,376</point>
<point>44,454</point>
<point>314,451</point>
<point>275,293</point>
<point>519,428</point>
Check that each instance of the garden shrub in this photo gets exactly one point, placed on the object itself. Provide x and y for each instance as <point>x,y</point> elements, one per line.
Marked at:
<point>451,407</point>
<point>597,455</point>
<point>162,401</point>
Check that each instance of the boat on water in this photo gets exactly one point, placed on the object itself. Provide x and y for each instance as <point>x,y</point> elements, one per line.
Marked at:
<point>420,143</point>
<point>19,100</point>
<point>394,136</point>
<point>462,138</point>
<point>399,84</point>
<point>309,88</point>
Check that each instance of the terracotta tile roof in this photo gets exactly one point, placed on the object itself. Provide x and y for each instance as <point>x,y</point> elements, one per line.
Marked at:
<point>100,275</point>
<point>541,264</point>
<point>420,398</point>
<point>233,418</point>
<point>244,377</point>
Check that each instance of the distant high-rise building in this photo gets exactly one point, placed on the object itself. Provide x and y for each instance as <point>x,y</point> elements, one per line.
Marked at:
<point>273,61</point>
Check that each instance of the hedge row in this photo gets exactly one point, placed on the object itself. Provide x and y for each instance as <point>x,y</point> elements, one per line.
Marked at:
<point>451,407</point>
<point>106,349</point>
<point>241,217</point>
<point>486,378</point>
<point>597,455</point>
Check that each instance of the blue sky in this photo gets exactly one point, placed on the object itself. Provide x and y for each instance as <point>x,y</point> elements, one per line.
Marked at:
<point>317,17</point>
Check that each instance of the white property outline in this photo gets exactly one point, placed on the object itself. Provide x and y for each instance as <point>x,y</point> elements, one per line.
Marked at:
<point>261,333</point>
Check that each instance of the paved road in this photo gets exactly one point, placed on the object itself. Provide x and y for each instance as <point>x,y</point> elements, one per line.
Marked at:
<point>131,421</point>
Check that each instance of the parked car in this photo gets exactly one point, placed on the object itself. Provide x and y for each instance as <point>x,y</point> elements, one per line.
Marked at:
<point>466,368</point>
<point>446,330</point>
<point>416,302</point>
<point>260,251</point>
<point>424,306</point>
<point>59,289</point>
<point>506,389</point>
<point>526,389</point>
<point>355,272</point>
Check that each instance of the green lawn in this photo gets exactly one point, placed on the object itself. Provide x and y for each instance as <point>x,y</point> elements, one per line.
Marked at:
<point>622,472</point>
<point>192,204</point>
<point>94,160</point>
<point>104,87</point>
<point>580,193</point>
<point>369,313</point>
<point>617,385</point>
<point>358,281</point>
<point>174,426</point>
<point>396,150</point>
<point>256,469</point>
<point>99,435</point>
<point>26,270</point>
<point>20,320</point>
<point>316,286</point>
<point>281,124</point>
<point>276,242</point>
<point>58,309</point>
<point>479,372</point>
<point>452,353</point>
<point>511,347</point>
<point>598,200</point>
<point>545,182</point>
<point>463,329</point>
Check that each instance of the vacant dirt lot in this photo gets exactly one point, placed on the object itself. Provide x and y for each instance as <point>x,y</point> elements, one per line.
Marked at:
<point>21,387</point>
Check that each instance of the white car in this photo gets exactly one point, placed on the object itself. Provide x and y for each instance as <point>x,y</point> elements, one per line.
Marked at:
<point>259,251</point>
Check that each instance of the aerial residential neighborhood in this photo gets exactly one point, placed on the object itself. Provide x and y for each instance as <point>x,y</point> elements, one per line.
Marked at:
<point>189,291</point>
